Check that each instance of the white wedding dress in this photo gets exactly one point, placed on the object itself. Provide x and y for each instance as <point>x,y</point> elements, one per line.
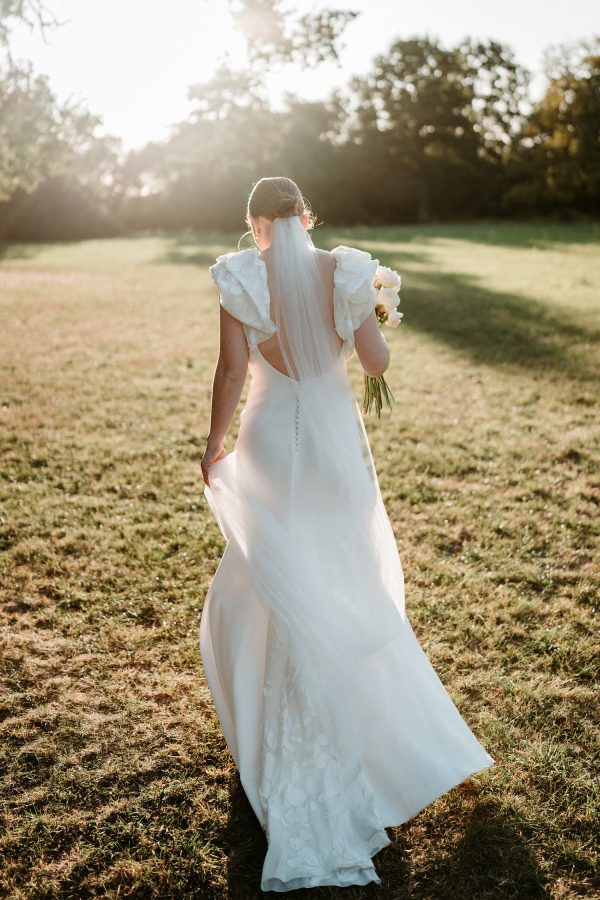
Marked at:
<point>331,710</point>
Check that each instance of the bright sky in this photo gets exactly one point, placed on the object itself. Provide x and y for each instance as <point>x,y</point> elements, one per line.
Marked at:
<point>131,61</point>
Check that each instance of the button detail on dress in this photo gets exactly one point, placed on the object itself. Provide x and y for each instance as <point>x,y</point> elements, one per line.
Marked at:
<point>297,422</point>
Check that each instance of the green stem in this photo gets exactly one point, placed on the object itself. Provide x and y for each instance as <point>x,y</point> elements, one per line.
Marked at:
<point>376,390</point>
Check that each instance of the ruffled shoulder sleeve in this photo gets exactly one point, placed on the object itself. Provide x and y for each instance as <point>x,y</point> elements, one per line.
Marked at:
<point>243,291</point>
<point>354,295</point>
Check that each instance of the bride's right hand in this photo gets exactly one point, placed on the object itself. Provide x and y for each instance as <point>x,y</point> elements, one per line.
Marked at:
<point>211,456</point>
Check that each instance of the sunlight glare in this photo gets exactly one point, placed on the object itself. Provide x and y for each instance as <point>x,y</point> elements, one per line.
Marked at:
<point>133,62</point>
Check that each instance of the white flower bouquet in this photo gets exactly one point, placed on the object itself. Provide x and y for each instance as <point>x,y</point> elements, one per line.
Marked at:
<point>387,284</point>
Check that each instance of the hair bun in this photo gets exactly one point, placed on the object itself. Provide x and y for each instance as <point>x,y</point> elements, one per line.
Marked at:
<point>287,206</point>
<point>277,197</point>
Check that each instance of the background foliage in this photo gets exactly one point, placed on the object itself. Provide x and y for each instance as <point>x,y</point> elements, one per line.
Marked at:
<point>431,133</point>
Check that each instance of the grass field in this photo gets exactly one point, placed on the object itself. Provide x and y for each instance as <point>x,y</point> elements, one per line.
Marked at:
<point>116,780</point>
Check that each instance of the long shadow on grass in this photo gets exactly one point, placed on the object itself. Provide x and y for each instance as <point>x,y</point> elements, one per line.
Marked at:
<point>497,328</point>
<point>9,250</point>
<point>246,847</point>
<point>491,327</point>
<point>542,235</point>
<point>491,859</point>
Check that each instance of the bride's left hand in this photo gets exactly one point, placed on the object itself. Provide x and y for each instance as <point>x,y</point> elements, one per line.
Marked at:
<point>211,456</point>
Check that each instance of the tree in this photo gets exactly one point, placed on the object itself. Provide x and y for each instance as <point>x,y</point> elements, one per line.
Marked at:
<point>28,12</point>
<point>436,123</point>
<point>275,35</point>
<point>498,86</point>
<point>40,138</point>
<point>46,147</point>
<point>557,156</point>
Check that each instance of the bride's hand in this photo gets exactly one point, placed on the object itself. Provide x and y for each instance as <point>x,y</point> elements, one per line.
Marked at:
<point>212,454</point>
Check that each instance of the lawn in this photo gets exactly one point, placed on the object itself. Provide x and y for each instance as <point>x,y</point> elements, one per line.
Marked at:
<point>116,780</point>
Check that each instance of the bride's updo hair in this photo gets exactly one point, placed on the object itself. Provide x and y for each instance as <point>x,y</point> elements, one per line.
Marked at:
<point>277,198</point>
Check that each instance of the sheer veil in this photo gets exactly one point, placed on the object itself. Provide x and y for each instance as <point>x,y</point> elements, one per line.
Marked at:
<point>308,346</point>
<point>335,468</point>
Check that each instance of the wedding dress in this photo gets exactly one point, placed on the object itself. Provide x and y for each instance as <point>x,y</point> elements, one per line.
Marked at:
<point>332,712</point>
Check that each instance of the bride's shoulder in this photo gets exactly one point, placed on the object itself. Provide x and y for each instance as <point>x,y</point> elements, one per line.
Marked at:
<point>241,278</point>
<point>353,268</point>
<point>235,260</point>
<point>351,256</point>
<point>239,271</point>
<point>354,294</point>
<point>346,259</point>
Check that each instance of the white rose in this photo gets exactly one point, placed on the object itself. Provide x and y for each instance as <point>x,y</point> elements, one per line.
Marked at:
<point>387,278</point>
<point>388,297</point>
<point>394,318</point>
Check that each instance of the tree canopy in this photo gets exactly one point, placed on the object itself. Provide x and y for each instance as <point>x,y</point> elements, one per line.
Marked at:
<point>429,133</point>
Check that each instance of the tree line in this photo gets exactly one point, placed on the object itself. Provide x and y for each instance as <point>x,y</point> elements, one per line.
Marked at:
<point>431,133</point>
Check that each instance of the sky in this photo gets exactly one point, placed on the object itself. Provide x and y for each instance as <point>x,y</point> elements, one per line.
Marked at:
<point>131,61</point>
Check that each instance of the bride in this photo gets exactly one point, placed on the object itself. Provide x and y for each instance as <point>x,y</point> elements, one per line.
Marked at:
<point>332,712</point>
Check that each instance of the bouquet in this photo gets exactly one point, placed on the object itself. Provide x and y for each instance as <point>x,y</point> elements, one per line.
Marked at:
<point>387,284</point>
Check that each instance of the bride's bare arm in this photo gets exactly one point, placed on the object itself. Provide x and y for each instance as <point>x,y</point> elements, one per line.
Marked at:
<point>228,383</point>
<point>371,346</point>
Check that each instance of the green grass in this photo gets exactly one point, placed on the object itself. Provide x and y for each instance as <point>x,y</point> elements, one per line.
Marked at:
<point>116,780</point>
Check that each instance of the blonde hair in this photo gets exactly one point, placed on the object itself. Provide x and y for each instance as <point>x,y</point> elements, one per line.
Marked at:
<point>277,197</point>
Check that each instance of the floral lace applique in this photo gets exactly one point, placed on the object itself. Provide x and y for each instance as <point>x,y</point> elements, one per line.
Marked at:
<point>319,809</point>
